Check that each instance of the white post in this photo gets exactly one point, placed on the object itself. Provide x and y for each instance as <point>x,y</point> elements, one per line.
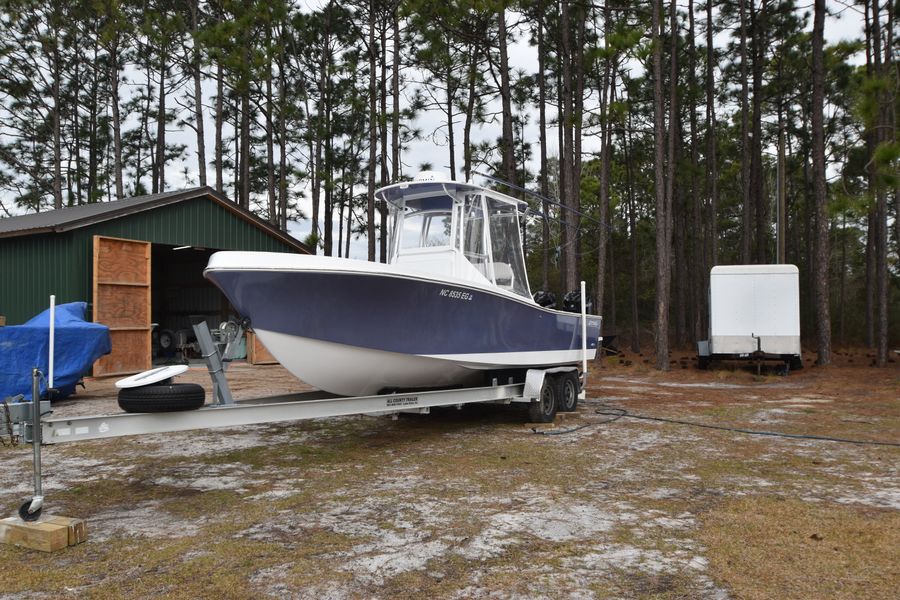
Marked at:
<point>52,340</point>
<point>584,368</point>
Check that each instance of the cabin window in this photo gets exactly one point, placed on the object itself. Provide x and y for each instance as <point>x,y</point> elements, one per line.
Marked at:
<point>507,264</point>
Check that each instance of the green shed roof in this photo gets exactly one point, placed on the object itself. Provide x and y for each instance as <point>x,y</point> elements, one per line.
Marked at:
<point>65,219</point>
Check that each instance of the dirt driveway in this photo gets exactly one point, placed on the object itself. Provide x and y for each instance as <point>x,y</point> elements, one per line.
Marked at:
<point>474,504</point>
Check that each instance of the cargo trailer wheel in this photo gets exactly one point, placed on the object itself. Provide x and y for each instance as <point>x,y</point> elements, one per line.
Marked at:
<point>162,398</point>
<point>567,391</point>
<point>544,410</point>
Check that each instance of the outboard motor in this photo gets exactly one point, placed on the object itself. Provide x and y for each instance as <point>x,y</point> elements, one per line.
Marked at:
<point>545,299</point>
<point>572,302</point>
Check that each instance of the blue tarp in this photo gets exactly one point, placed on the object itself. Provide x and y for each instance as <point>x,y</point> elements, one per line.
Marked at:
<point>78,344</point>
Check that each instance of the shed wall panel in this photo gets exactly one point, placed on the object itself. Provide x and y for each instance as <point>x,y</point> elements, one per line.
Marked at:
<point>31,269</point>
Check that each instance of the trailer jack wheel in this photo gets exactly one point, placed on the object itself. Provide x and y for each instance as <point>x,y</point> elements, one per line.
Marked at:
<point>544,410</point>
<point>27,516</point>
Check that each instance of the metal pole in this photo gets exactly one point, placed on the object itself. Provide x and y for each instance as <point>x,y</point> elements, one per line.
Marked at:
<point>52,341</point>
<point>38,500</point>
<point>584,367</point>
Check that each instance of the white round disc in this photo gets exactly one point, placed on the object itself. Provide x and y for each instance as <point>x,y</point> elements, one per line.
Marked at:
<point>152,376</point>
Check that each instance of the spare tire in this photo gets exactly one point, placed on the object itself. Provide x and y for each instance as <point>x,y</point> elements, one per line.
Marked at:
<point>162,398</point>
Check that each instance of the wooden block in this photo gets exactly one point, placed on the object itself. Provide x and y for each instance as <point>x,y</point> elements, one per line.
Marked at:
<point>257,353</point>
<point>39,535</point>
<point>77,528</point>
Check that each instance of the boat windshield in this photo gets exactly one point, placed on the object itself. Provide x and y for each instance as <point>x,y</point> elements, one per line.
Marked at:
<point>508,264</point>
<point>424,223</point>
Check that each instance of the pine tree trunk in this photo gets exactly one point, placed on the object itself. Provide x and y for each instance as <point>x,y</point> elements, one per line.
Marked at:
<point>220,119</point>
<point>662,213</point>
<point>577,120</point>
<point>470,114</point>
<point>712,173</point>
<point>370,207</point>
<point>822,246</point>
<point>676,200</point>
<point>270,141</point>
<point>632,228</point>
<point>697,269</point>
<point>606,84</point>
<point>881,226</point>
<point>57,125</point>
<point>93,149</point>
<point>508,148</point>
<point>395,97</point>
<point>198,98</point>
<point>245,141</point>
<point>383,124</point>
<point>76,133</point>
<point>282,138</point>
<point>542,140</point>
<point>567,158</point>
<point>116,119</point>
<point>747,206</point>
<point>160,186</point>
<point>448,110</point>
<point>870,217</point>
<point>757,183</point>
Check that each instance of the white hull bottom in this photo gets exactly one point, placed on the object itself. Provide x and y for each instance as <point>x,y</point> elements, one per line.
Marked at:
<point>354,371</point>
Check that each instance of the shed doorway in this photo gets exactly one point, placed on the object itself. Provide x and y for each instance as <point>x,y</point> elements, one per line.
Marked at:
<point>181,298</point>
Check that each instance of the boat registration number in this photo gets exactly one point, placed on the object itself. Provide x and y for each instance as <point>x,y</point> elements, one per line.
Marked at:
<point>455,294</point>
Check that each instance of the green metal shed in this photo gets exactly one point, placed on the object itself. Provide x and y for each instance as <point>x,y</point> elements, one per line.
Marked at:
<point>53,252</point>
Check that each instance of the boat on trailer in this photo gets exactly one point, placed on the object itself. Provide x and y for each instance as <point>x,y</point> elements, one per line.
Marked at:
<point>451,307</point>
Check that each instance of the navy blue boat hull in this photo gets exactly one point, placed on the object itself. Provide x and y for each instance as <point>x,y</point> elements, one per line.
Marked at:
<point>387,326</point>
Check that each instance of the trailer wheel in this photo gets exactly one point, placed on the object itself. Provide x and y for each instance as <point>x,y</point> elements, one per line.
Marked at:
<point>567,391</point>
<point>27,516</point>
<point>162,398</point>
<point>703,363</point>
<point>544,410</point>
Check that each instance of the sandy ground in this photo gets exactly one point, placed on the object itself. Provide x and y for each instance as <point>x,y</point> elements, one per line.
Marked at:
<point>475,504</point>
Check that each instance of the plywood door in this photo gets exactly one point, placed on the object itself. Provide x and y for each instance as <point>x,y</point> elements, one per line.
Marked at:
<point>122,303</point>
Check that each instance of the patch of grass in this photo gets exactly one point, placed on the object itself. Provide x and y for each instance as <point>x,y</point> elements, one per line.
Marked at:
<point>771,547</point>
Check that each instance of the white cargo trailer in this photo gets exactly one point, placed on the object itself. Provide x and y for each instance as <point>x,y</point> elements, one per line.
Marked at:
<point>754,312</point>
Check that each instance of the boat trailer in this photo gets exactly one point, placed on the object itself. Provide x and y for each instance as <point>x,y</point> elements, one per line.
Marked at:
<point>29,422</point>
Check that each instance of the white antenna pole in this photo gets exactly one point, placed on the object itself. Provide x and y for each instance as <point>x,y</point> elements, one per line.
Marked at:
<point>584,332</point>
<point>52,340</point>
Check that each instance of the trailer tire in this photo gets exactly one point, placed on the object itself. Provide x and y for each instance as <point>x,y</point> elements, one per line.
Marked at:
<point>162,398</point>
<point>543,410</point>
<point>567,391</point>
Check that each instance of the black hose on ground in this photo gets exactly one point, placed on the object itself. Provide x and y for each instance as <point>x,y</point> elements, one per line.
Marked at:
<point>618,413</point>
